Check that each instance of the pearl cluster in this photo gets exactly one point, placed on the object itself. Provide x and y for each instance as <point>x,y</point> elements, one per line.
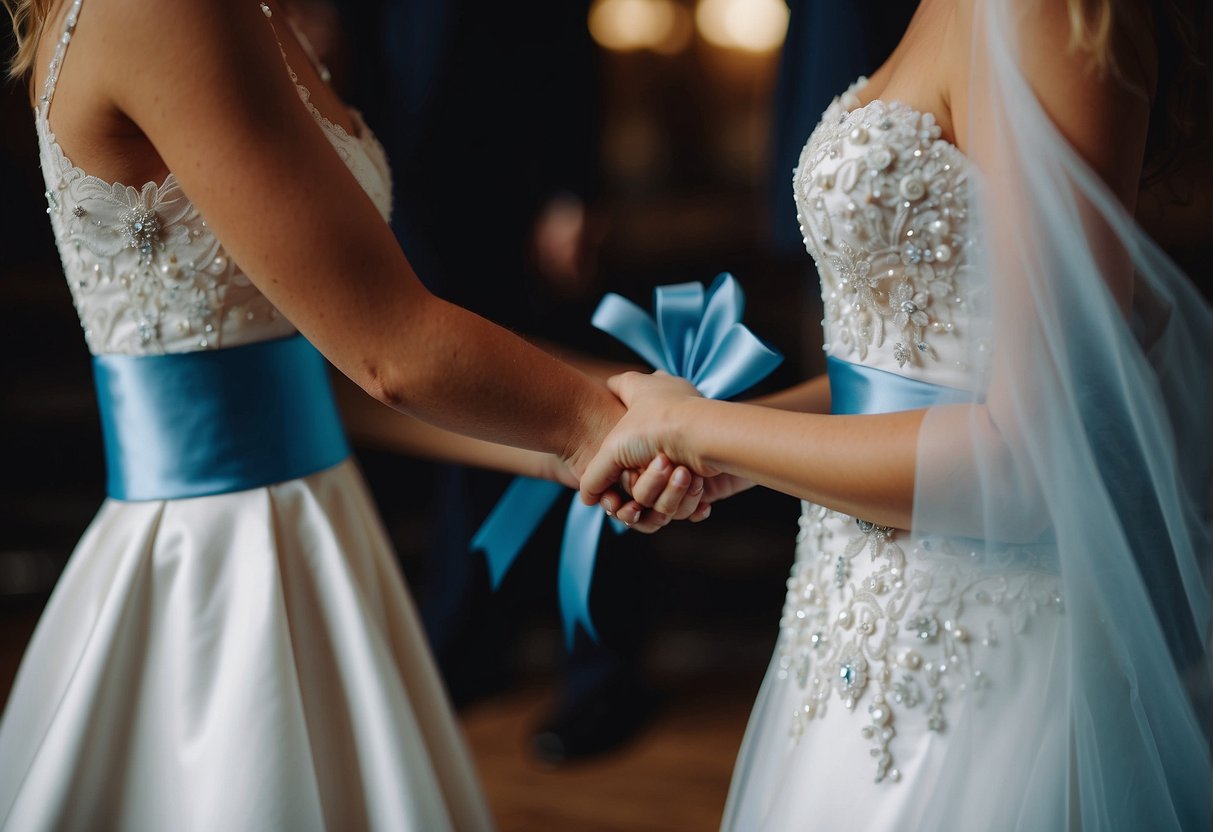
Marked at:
<point>893,633</point>
<point>146,272</point>
<point>880,199</point>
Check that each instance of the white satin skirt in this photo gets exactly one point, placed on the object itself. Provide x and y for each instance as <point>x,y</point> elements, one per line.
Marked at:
<point>247,661</point>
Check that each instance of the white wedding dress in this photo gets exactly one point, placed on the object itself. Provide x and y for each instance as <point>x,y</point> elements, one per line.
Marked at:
<point>244,661</point>
<point>893,653</point>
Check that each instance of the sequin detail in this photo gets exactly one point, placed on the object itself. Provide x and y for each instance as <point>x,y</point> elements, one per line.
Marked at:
<point>905,634</point>
<point>880,198</point>
<point>146,272</point>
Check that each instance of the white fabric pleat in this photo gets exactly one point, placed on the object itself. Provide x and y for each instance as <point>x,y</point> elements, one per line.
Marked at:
<point>246,661</point>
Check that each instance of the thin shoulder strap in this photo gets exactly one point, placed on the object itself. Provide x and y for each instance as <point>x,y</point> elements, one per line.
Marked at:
<point>52,74</point>
<point>321,69</point>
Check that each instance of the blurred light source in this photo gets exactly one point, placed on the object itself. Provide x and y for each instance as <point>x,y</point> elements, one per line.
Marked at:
<point>628,25</point>
<point>747,25</point>
<point>682,31</point>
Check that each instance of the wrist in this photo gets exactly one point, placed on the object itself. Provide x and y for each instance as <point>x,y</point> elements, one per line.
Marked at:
<point>686,434</point>
<point>596,412</point>
<point>552,467</point>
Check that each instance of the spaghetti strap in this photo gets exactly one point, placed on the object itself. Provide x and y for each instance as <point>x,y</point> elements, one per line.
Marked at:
<point>52,75</point>
<point>304,43</point>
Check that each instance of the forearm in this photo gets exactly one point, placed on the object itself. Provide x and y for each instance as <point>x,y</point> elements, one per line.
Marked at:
<point>375,425</point>
<point>592,366</point>
<point>861,465</point>
<point>458,371</point>
<point>319,250</point>
<point>812,396</point>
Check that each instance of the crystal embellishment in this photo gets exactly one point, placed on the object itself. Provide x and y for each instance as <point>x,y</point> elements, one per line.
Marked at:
<point>894,639</point>
<point>924,627</point>
<point>146,272</point>
<point>140,227</point>
<point>881,204</point>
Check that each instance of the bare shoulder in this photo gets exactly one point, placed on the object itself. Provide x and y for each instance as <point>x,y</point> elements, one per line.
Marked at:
<point>128,56</point>
<point>1103,115</point>
<point>188,47</point>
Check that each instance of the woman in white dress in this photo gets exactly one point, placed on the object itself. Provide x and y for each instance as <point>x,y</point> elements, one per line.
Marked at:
<point>231,646</point>
<point>999,615</point>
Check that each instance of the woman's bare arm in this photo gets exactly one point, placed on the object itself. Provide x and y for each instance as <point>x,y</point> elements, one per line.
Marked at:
<point>866,465</point>
<point>211,93</point>
<point>811,396</point>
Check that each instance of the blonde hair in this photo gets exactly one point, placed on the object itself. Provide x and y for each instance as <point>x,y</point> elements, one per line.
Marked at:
<point>1091,32</point>
<point>29,20</point>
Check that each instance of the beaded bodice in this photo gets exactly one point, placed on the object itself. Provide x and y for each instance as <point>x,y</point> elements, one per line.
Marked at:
<point>881,202</point>
<point>146,272</point>
<point>874,621</point>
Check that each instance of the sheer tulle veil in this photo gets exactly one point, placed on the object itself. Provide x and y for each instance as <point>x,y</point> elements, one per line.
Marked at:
<point>1088,449</point>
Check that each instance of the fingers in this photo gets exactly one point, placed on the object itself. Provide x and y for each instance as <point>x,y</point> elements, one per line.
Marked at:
<point>612,502</point>
<point>655,481</point>
<point>628,480</point>
<point>602,472</point>
<point>620,385</point>
<point>667,489</point>
<point>650,521</point>
<point>691,500</point>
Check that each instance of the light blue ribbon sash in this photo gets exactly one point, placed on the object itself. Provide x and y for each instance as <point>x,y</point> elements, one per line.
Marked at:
<point>856,390</point>
<point>216,421</point>
<point>694,334</point>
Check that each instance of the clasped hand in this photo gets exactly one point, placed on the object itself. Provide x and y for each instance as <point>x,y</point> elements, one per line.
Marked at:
<point>649,440</point>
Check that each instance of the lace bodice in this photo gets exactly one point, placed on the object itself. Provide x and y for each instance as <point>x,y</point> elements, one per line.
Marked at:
<point>146,272</point>
<point>880,198</point>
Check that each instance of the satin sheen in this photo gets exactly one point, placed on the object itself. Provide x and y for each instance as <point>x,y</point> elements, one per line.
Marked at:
<point>692,333</point>
<point>856,390</point>
<point>212,422</point>
<point>247,660</point>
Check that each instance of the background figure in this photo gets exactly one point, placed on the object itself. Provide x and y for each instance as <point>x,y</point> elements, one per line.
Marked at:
<point>495,150</point>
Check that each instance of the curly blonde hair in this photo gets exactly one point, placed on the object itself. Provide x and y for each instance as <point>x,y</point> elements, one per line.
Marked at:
<point>29,20</point>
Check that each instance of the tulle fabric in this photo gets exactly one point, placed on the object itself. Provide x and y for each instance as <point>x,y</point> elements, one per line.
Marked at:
<point>1082,462</point>
<point>247,661</point>
<point>1089,439</point>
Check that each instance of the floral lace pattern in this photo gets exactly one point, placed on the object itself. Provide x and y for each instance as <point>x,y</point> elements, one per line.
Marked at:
<point>880,199</point>
<point>899,635</point>
<point>147,274</point>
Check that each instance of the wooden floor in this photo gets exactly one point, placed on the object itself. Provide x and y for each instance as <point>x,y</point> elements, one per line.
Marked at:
<point>673,778</point>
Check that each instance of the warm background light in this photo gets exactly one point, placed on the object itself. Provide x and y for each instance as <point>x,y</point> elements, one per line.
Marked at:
<point>681,32</point>
<point>628,25</point>
<point>746,25</point>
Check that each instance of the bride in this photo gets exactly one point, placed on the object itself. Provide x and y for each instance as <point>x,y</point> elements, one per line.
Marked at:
<point>999,614</point>
<point>231,645</point>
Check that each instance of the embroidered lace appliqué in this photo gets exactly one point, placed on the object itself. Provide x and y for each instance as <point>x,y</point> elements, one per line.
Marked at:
<point>907,636</point>
<point>146,273</point>
<point>880,199</point>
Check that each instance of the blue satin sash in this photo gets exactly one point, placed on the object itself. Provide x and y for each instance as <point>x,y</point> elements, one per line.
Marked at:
<point>216,421</point>
<point>856,390</point>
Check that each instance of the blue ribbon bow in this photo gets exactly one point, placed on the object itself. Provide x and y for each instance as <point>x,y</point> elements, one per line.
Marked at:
<point>693,334</point>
